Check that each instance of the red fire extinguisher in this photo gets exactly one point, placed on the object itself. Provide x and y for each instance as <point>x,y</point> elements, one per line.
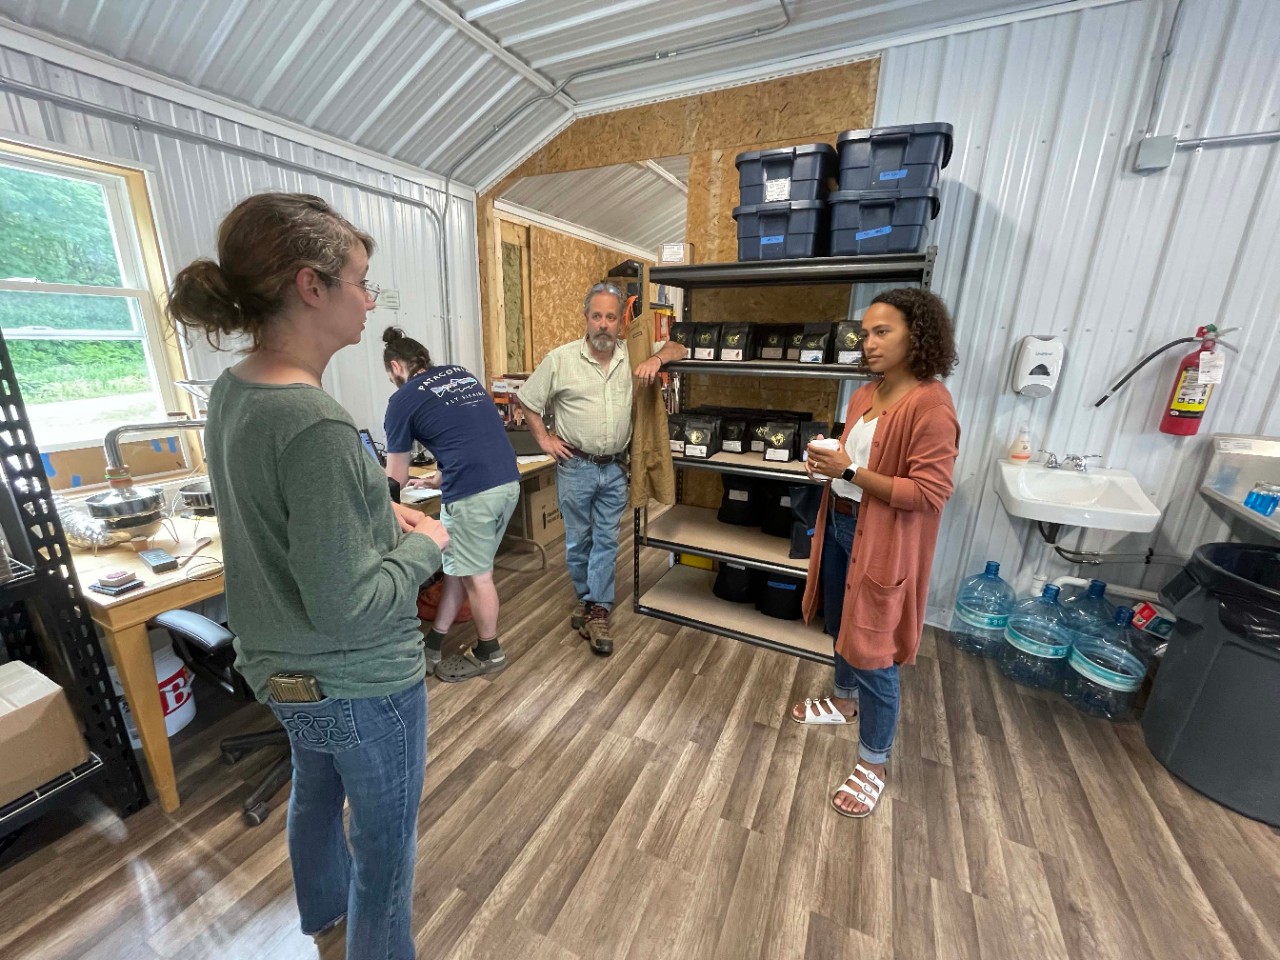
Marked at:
<point>1190,394</point>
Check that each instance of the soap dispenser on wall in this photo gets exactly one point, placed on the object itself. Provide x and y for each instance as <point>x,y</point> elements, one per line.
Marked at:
<point>1037,364</point>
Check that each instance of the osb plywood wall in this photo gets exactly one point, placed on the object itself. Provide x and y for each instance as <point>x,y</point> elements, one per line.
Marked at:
<point>562,269</point>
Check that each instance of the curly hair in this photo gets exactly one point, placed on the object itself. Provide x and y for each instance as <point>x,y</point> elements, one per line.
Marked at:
<point>933,339</point>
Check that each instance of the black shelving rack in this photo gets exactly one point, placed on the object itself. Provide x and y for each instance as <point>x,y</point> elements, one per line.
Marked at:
<point>45,622</point>
<point>682,595</point>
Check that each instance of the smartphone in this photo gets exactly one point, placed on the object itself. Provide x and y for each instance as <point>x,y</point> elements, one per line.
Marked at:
<point>294,688</point>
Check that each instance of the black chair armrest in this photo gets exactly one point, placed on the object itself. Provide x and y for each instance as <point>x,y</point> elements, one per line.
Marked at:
<point>209,637</point>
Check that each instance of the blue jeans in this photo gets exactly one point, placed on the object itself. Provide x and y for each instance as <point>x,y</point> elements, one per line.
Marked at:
<point>876,691</point>
<point>373,752</point>
<point>592,499</point>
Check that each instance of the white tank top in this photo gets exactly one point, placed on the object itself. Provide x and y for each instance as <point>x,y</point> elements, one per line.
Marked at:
<point>858,446</point>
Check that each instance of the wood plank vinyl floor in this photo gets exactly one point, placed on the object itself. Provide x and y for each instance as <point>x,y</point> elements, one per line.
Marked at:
<point>659,804</point>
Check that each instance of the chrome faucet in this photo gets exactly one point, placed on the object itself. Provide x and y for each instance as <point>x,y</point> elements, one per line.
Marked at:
<point>1079,463</point>
<point>1050,460</point>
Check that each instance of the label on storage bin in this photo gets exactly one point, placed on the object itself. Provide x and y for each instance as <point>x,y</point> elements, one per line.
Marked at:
<point>1124,683</point>
<point>732,446</point>
<point>704,353</point>
<point>894,174</point>
<point>695,451</point>
<point>775,190</point>
<point>775,238</point>
<point>784,502</point>
<point>781,586</point>
<point>983,621</point>
<point>730,354</point>
<point>740,495</point>
<point>777,454</point>
<point>1050,651</point>
<point>770,353</point>
<point>849,356</point>
<point>868,234</point>
<point>811,356</point>
<point>677,446</point>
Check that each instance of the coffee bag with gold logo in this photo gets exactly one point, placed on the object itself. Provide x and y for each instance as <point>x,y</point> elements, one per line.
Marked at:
<point>701,436</point>
<point>706,341</point>
<point>737,341</point>
<point>780,440</point>
<point>848,337</point>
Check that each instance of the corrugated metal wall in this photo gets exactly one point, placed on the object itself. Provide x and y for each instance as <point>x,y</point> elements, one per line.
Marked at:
<point>1045,229</point>
<point>196,183</point>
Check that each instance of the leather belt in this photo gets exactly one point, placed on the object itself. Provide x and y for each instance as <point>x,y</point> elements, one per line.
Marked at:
<point>600,460</point>
<point>844,505</point>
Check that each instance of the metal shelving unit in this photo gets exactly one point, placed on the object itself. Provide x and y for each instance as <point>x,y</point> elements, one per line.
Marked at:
<point>683,594</point>
<point>45,622</point>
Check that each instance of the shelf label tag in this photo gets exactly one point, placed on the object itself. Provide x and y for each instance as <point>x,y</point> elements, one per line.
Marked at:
<point>868,234</point>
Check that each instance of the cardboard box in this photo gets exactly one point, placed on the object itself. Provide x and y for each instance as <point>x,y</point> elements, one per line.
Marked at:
<point>540,510</point>
<point>1154,619</point>
<point>40,738</point>
<point>675,253</point>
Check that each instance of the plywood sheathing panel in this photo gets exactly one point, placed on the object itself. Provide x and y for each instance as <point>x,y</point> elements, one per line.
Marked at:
<point>562,270</point>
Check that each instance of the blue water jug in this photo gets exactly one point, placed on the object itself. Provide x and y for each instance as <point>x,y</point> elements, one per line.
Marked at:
<point>1092,605</point>
<point>1037,641</point>
<point>1104,671</point>
<point>982,612</point>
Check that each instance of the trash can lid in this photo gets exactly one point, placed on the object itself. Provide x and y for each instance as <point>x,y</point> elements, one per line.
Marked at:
<point>1245,579</point>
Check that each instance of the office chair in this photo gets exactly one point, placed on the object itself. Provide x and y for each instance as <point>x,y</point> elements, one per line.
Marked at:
<point>205,647</point>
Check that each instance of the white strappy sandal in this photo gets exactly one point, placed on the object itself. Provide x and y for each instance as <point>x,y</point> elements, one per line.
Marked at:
<point>821,712</point>
<point>868,793</point>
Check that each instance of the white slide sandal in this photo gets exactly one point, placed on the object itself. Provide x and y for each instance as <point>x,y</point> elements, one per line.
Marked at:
<point>821,712</point>
<point>868,793</point>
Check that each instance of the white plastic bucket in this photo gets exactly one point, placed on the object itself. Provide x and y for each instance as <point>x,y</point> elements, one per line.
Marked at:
<point>176,696</point>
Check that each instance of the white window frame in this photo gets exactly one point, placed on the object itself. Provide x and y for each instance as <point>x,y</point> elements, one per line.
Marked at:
<point>149,326</point>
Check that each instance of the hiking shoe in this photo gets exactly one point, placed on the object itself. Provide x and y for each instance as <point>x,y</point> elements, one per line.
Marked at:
<point>579,614</point>
<point>595,628</point>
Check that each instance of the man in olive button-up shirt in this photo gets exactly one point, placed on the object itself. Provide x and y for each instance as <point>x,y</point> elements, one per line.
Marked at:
<point>587,385</point>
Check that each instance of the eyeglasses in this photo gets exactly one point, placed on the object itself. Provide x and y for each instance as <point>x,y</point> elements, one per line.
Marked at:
<point>371,289</point>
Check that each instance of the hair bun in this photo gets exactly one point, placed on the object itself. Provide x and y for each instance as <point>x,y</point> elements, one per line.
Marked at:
<point>392,334</point>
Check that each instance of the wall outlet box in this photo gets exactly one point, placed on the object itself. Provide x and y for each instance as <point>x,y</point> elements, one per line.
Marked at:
<point>1154,153</point>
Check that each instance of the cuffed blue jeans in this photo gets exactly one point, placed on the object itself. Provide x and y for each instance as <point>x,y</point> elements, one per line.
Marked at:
<point>372,752</point>
<point>877,691</point>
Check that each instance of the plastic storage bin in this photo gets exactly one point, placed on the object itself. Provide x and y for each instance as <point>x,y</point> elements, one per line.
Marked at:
<point>782,231</point>
<point>785,173</point>
<point>894,158</point>
<point>880,221</point>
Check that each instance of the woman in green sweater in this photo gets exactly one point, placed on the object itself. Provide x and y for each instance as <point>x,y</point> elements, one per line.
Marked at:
<point>322,569</point>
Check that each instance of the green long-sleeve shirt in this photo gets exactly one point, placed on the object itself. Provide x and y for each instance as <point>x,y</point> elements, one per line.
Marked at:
<point>319,577</point>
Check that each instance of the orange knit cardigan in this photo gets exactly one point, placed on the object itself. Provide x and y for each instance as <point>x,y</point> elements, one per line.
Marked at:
<point>916,442</point>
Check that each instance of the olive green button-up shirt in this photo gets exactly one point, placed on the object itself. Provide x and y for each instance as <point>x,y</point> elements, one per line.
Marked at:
<point>591,404</point>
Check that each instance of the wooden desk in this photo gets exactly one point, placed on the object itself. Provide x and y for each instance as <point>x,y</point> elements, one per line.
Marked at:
<point>123,621</point>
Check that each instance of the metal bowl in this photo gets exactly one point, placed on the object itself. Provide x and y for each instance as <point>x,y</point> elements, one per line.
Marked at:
<point>125,502</point>
<point>135,510</point>
<point>197,497</point>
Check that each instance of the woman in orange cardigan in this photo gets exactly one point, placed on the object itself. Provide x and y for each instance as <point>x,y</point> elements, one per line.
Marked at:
<point>878,524</point>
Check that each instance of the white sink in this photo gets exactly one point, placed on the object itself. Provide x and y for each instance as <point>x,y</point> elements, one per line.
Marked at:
<point>1101,499</point>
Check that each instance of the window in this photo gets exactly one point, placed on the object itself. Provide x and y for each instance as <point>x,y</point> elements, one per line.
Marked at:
<point>77,300</point>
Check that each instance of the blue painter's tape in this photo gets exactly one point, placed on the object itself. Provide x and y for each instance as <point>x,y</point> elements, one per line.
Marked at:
<point>76,481</point>
<point>894,174</point>
<point>173,444</point>
<point>773,239</point>
<point>868,234</point>
<point>782,586</point>
<point>155,445</point>
<point>48,465</point>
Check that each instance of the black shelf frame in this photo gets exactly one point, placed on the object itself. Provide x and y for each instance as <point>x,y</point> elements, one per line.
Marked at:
<point>912,268</point>
<point>885,268</point>
<point>770,368</point>
<point>45,622</point>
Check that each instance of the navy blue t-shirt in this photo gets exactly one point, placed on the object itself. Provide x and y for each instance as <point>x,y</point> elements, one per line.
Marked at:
<point>448,412</point>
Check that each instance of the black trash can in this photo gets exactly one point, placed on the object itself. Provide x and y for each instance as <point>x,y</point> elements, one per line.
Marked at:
<point>1213,717</point>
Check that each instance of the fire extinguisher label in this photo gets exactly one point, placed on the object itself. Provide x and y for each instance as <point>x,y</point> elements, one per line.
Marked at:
<point>1191,396</point>
<point>1212,366</point>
